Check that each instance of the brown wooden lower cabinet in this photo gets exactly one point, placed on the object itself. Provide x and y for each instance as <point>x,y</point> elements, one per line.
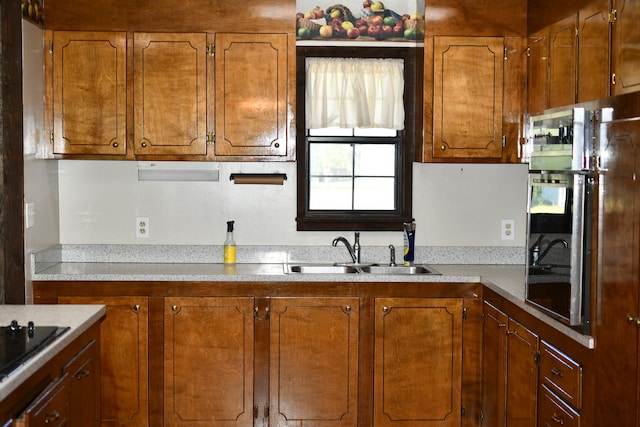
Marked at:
<point>124,360</point>
<point>528,382</point>
<point>418,362</point>
<point>272,354</point>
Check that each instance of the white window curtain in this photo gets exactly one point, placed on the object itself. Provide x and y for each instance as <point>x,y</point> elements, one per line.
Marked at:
<point>354,93</point>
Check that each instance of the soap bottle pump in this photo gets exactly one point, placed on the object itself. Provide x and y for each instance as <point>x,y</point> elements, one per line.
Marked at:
<point>229,245</point>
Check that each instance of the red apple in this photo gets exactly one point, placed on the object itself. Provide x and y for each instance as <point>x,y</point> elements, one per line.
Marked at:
<point>375,32</point>
<point>338,31</point>
<point>364,29</point>
<point>405,17</point>
<point>387,30</point>
<point>353,33</point>
<point>318,12</point>
<point>377,21</point>
<point>366,4</point>
<point>299,16</point>
<point>360,22</point>
<point>336,21</point>
<point>398,29</point>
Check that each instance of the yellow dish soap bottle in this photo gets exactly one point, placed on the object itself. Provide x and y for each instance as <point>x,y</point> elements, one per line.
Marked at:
<point>229,245</point>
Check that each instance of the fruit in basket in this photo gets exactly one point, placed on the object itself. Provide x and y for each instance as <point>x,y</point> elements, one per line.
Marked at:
<point>309,15</point>
<point>366,4</point>
<point>389,20</point>
<point>376,21</point>
<point>318,12</point>
<point>326,31</point>
<point>377,6</point>
<point>398,29</point>
<point>336,13</point>
<point>410,34</point>
<point>353,33</point>
<point>347,25</point>
<point>304,32</point>
<point>415,17</point>
<point>375,32</point>
<point>364,29</point>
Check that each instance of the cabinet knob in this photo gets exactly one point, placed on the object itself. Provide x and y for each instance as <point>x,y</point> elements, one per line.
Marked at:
<point>143,144</point>
<point>136,307</point>
<point>82,374</point>
<point>557,419</point>
<point>115,144</point>
<point>174,308</point>
<point>443,147</point>
<point>277,145</point>
<point>347,308</point>
<point>557,372</point>
<point>51,416</point>
<point>632,319</point>
<point>385,309</point>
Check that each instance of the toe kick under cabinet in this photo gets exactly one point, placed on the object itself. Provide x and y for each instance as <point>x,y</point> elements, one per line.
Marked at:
<point>285,354</point>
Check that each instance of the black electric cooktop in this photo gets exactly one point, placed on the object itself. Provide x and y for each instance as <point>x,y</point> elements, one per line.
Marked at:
<point>19,343</point>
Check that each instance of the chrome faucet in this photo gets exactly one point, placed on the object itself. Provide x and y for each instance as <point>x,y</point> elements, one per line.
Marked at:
<point>354,250</point>
<point>549,246</point>
<point>392,255</point>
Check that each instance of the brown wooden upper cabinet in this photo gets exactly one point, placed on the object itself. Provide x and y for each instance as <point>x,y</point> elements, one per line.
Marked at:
<point>468,97</point>
<point>174,96</point>
<point>538,72</point>
<point>587,56</point>
<point>562,62</point>
<point>251,95</point>
<point>626,46</point>
<point>170,93</point>
<point>86,92</point>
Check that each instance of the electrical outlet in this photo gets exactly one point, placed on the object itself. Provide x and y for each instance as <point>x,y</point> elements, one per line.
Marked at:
<point>142,227</point>
<point>508,229</point>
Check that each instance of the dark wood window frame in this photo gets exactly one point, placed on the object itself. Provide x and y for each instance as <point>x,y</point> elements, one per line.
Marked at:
<point>308,220</point>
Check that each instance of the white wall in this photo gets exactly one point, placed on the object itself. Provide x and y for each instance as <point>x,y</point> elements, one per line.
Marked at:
<point>454,205</point>
<point>41,176</point>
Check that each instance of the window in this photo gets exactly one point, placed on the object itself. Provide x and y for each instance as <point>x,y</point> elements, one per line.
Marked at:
<point>357,178</point>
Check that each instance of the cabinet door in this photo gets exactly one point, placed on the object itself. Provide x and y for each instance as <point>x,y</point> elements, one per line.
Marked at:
<point>208,361</point>
<point>418,362</point>
<point>626,40</point>
<point>522,375</point>
<point>314,361</point>
<point>251,95</point>
<point>468,93</point>
<point>538,72</point>
<point>170,93</point>
<point>618,276</point>
<point>123,359</point>
<point>84,386</point>
<point>494,357</point>
<point>593,51</point>
<point>562,62</point>
<point>89,92</point>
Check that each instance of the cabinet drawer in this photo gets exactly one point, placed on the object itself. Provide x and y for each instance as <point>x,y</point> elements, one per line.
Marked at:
<point>49,409</point>
<point>561,374</point>
<point>553,412</point>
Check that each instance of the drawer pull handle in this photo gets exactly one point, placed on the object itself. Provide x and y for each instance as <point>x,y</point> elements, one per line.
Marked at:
<point>83,374</point>
<point>51,416</point>
<point>557,419</point>
<point>557,372</point>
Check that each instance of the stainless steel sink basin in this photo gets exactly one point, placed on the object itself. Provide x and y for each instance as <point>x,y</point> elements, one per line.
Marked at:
<point>322,269</point>
<point>399,270</point>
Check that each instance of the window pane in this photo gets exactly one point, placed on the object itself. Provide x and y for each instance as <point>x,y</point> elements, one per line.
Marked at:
<point>330,193</point>
<point>374,194</point>
<point>334,131</point>
<point>375,159</point>
<point>330,159</point>
<point>375,132</point>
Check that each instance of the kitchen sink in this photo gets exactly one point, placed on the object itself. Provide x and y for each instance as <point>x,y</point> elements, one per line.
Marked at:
<point>322,269</point>
<point>398,270</point>
<point>360,268</point>
<point>547,269</point>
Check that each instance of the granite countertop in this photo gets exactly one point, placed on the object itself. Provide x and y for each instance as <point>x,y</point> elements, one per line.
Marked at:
<point>77,317</point>
<point>496,268</point>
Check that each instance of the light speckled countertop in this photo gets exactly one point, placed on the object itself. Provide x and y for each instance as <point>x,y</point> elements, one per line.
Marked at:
<point>96,263</point>
<point>77,317</point>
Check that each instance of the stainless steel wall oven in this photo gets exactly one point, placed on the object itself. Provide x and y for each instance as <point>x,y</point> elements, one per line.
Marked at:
<point>559,222</point>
